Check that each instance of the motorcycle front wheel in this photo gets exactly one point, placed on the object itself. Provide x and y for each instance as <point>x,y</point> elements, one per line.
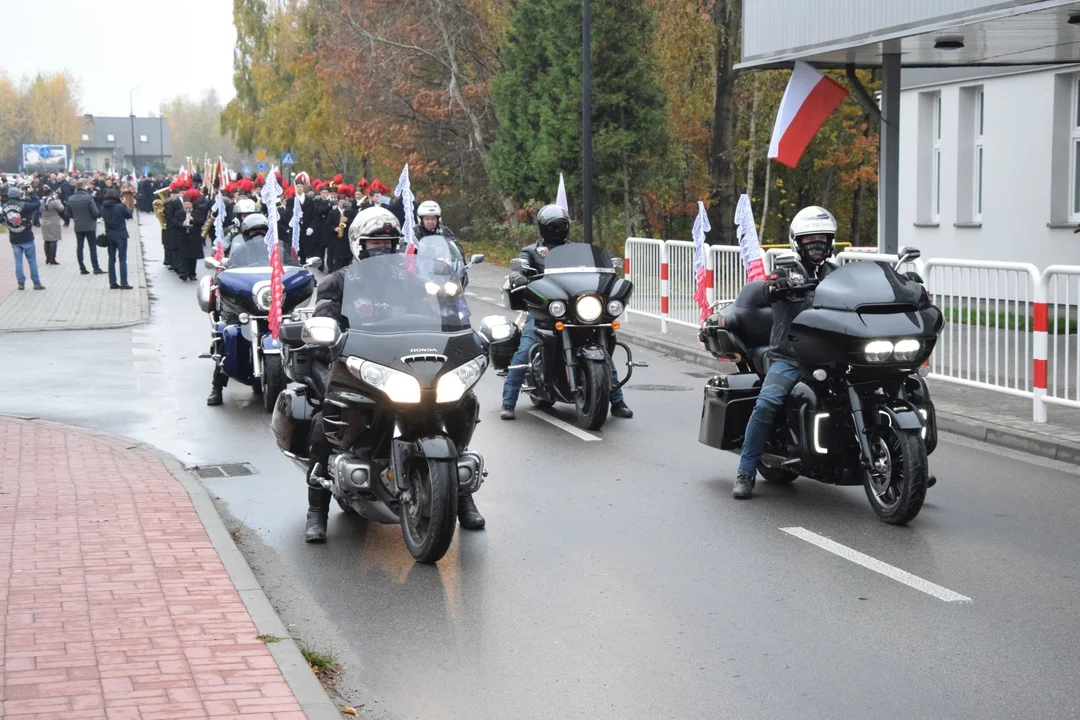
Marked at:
<point>429,509</point>
<point>593,394</point>
<point>896,484</point>
<point>273,380</point>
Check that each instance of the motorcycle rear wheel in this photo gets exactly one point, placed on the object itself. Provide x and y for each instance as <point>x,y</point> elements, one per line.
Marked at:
<point>594,394</point>
<point>429,518</point>
<point>897,494</point>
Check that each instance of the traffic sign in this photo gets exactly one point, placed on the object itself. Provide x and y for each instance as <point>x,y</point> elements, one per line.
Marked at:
<point>261,167</point>
<point>287,159</point>
<point>260,155</point>
<point>145,169</point>
<point>246,169</point>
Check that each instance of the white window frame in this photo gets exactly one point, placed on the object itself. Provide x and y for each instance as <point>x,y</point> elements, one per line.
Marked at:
<point>977,157</point>
<point>1074,156</point>
<point>110,138</point>
<point>142,138</point>
<point>85,137</point>
<point>935,197</point>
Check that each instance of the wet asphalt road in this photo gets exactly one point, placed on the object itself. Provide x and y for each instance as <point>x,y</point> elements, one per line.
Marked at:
<point>617,578</point>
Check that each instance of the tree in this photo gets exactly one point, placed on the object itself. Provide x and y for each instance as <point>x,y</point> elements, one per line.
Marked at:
<point>52,109</point>
<point>727,16</point>
<point>195,128</point>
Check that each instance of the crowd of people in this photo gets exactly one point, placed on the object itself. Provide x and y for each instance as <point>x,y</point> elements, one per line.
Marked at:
<point>99,205</point>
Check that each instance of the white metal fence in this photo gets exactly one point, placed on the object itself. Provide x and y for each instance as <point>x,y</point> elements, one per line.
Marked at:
<point>1008,327</point>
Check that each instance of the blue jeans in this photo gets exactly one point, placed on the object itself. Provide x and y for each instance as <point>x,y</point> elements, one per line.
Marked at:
<point>516,378</point>
<point>27,249</point>
<point>118,250</point>
<point>779,380</point>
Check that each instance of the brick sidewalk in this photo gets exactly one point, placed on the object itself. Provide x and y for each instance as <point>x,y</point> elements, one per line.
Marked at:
<point>115,603</point>
<point>72,301</point>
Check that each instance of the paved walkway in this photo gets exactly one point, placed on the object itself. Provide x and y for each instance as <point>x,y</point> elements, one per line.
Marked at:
<point>114,601</point>
<point>72,301</point>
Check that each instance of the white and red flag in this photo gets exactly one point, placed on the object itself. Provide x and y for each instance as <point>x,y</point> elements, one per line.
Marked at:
<point>701,285</point>
<point>809,100</point>
<point>749,247</point>
<point>270,193</point>
<point>219,226</point>
<point>560,196</point>
<point>404,189</point>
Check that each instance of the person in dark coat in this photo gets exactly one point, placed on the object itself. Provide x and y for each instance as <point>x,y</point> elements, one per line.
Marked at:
<point>191,251</point>
<point>116,214</point>
<point>338,253</point>
<point>81,208</point>
<point>174,230</point>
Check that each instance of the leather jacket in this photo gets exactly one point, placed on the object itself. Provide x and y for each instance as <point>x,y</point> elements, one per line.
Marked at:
<point>786,304</point>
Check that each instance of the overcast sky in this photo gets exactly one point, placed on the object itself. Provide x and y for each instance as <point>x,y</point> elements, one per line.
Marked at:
<point>110,46</point>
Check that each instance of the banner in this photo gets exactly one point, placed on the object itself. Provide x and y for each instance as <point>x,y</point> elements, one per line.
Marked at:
<point>46,158</point>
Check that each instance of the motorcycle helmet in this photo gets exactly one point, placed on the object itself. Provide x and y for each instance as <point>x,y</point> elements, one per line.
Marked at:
<point>812,222</point>
<point>254,225</point>
<point>429,208</point>
<point>554,225</point>
<point>243,207</point>
<point>373,223</point>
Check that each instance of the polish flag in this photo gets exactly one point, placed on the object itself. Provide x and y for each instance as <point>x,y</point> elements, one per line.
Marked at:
<point>809,100</point>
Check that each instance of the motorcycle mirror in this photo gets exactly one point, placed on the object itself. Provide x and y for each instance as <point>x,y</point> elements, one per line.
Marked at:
<point>314,263</point>
<point>211,263</point>
<point>617,263</point>
<point>476,259</point>
<point>320,331</point>
<point>519,265</point>
<point>907,254</point>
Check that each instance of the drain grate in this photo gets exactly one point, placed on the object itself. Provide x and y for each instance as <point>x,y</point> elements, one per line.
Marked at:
<point>223,470</point>
<point>659,388</point>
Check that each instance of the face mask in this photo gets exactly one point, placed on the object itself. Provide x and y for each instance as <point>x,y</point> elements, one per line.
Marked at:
<point>375,252</point>
<point>814,252</point>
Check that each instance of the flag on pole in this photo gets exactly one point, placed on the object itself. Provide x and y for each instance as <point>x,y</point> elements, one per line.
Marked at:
<point>749,247</point>
<point>808,101</point>
<point>404,190</point>
<point>270,193</point>
<point>294,224</point>
<point>701,288</point>
<point>219,226</point>
<point>560,198</point>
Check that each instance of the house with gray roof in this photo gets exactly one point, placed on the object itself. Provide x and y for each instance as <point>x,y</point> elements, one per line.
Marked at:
<point>116,144</point>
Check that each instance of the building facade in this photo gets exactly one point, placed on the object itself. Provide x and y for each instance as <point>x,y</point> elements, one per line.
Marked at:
<point>988,163</point>
<point>106,143</point>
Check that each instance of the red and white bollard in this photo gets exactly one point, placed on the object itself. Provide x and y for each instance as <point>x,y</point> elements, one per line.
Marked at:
<point>1041,345</point>
<point>664,287</point>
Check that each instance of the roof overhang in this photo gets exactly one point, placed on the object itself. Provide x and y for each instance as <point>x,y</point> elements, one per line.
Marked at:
<point>993,33</point>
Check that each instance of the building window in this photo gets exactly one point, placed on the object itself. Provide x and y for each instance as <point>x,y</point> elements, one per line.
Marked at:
<point>936,214</point>
<point>110,138</point>
<point>977,185</point>
<point>1074,150</point>
<point>928,165</point>
<point>142,138</point>
<point>85,137</point>
<point>970,111</point>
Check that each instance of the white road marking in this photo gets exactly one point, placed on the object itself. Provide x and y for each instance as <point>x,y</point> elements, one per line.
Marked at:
<point>143,352</point>
<point>877,566</point>
<point>485,298</point>
<point>143,339</point>
<point>576,432</point>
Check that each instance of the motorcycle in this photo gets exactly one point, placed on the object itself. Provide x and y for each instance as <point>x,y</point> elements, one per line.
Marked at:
<point>575,305</point>
<point>237,300</point>
<point>394,383</point>
<point>862,415</point>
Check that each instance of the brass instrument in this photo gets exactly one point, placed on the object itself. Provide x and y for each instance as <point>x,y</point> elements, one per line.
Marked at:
<point>159,205</point>
<point>206,225</point>
<point>342,224</point>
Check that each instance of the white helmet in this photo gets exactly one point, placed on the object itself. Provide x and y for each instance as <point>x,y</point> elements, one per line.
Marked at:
<point>813,220</point>
<point>254,225</point>
<point>245,206</point>
<point>429,208</point>
<point>373,223</point>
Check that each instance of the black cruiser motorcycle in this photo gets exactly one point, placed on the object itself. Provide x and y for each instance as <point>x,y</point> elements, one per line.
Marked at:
<point>397,403</point>
<point>863,414</point>
<point>575,305</point>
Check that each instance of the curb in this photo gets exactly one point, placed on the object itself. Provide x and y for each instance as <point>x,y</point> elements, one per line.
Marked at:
<point>305,686</point>
<point>998,435</point>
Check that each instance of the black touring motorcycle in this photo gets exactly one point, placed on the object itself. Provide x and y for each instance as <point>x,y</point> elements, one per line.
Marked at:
<point>575,305</point>
<point>863,414</point>
<point>397,403</point>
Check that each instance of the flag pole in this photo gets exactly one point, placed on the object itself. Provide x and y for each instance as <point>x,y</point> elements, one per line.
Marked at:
<point>586,119</point>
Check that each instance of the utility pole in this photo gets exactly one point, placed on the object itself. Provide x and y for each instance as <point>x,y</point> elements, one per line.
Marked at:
<point>586,118</point>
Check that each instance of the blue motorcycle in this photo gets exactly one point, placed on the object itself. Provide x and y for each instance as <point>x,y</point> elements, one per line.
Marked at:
<point>237,300</point>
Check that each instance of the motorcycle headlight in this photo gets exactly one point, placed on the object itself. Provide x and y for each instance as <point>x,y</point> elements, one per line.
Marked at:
<point>905,350</point>
<point>588,309</point>
<point>457,382</point>
<point>262,295</point>
<point>878,350</point>
<point>615,308</point>
<point>557,308</point>
<point>398,386</point>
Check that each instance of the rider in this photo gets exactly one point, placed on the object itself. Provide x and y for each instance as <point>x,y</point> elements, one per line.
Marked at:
<point>374,231</point>
<point>554,225</point>
<point>243,208</point>
<point>430,215</point>
<point>254,227</point>
<point>812,233</point>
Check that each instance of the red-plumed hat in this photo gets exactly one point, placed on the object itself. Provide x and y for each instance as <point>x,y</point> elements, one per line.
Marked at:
<point>245,185</point>
<point>317,184</point>
<point>192,194</point>
<point>230,187</point>
<point>378,187</point>
<point>260,180</point>
<point>290,192</point>
<point>338,179</point>
<point>302,177</point>
<point>346,191</point>
<point>362,185</point>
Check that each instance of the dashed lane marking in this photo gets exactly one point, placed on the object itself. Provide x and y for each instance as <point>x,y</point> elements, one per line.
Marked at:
<point>895,573</point>
<point>576,432</point>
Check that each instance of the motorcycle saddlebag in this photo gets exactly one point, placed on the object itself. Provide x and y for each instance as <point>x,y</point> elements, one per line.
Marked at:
<point>291,421</point>
<point>728,402</point>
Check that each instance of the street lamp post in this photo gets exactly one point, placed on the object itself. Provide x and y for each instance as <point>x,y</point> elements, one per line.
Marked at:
<point>586,119</point>
<point>161,134</point>
<point>131,106</point>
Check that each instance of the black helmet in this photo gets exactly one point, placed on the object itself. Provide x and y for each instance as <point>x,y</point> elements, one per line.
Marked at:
<point>554,225</point>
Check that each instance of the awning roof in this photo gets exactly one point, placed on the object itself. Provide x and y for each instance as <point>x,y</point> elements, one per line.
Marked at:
<point>1017,33</point>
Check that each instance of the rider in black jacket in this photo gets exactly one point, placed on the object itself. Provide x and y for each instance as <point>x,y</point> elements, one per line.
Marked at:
<point>812,233</point>
<point>554,225</point>
<point>374,231</point>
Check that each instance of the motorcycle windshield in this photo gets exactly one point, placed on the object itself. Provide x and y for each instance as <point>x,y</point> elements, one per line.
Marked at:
<point>438,247</point>
<point>399,292</point>
<point>254,253</point>
<point>863,283</point>
<point>577,257</point>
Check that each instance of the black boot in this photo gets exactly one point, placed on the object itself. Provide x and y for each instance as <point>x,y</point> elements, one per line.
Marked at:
<point>469,517</point>
<point>317,513</point>
<point>214,397</point>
